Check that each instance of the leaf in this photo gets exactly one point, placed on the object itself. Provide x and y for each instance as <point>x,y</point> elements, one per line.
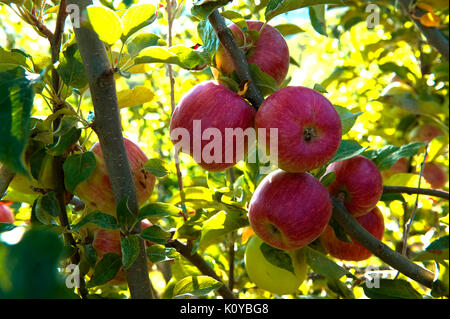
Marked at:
<point>209,38</point>
<point>401,71</point>
<point>71,68</point>
<point>125,217</point>
<point>348,149</point>
<point>49,204</point>
<point>392,289</point>
<point>159,253</point>
<point>387,156</point>
<point>317,17</point>
<point>348,118</point>
<point>438,250</point>
<point>77,169</point>
<point>16,102</point>
<point>158,210</point>
<point>141,41</point>
<point>288,29</point>
<point>236,18</point>
<point>328,179</point>
<point>319,88</point>
<point>136,18</point>
<point>4,227</point>
<point>324,266</point>
<point>130,250</point>
<point>14,57</point>
<point>98,218</point>
<point>185,57</point>
<point>105,270</point>
<point>157,167</point>
<point>265,83</point>
<point>136,96</point>
<point>203,8</point>
<point>65,141</point>
<point>106,23</point>
<point>277,7</point>
<point>277,257</point>
<point>156,234</point>
<point>217,181</point>
<point>195,286</point>
<point>66,124</point>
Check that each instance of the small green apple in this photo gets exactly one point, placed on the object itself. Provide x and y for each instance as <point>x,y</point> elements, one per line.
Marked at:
<point>267,275</point>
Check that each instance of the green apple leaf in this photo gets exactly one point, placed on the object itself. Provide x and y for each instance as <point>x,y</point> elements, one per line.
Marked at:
<point>340,288</point>
<point>141,41</point>
<point>159,253</point>
<point>265,83</point>
<point>65,141</point>
<point>277,257</point>
<point>203,8</point>
<point>324,266</point>
<point>77,169</point>
<point>136,18</point>
<point>317,17</point>
<point>217,181</point>
<point>277,7</point>
<point>287,29</point>
<point>157,167</point>
<point>106,23</point>
<point>387,156</point>
<point>15,57</point>
<point>236,18</point>
<point>4,227</point>
<point>438,250</point>
<point>105,270</point>
<point>347,149</point>
<point>392,289</point>
<point>158,210</point>
<point>71,68</point>
<point>130,250</point>
<point>156,234</point>
<point>210,42</point>
<point>195,286</point>
<point>125,217</point>
<point>348,118</point>
<point>98,218</point>
<point>49,204</point>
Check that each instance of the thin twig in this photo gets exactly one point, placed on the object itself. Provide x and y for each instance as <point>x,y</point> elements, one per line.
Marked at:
<point>413,190</point>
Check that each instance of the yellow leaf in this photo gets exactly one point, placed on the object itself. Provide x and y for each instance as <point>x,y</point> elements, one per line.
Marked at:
<point>429,19</point>
<point>137,96</point>
<point>106,23</point>
<point>425,7</point>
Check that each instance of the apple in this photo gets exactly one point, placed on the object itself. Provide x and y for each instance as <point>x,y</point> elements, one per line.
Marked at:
<point>6,214</point>
<point>210,107</point>
<point>96,192</point>
<point>401,166</point>
<point>309,127</point>
<point>373,222</point>
<point>289,210</point>
<point>270,52</point>
<point>426,133</point>
<point>267,276</point>
<point>435,175</point>
<point>358,184</point>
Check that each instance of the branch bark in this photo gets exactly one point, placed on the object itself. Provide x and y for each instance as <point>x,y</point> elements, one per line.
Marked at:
<point>433,35</point>
<point>108,128</point>
<point>185,250</point>
<point>413,190</point>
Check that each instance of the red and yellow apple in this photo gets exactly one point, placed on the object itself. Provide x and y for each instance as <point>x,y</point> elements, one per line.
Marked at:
<point>289,210</point>
<point>6,214</point>
<point>435,175</point>
<point>309,127</point>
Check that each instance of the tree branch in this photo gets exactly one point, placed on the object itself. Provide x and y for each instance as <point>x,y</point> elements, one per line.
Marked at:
<point>433,35</point>
<point>379,249</point>
<point>240,61</point>
<point>186,251</point>
<point>413,190</point>
<point>108,128</point>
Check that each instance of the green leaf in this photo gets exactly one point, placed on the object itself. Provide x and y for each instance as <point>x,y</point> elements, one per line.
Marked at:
<point>277,7</point>
<point>401,71</point>
<point>203,8</point>
<point>98,218</point>
<point>217,181</point>
<point>66,124</point>
<point>265,83</point>
<point>236,18</point>
<point>16,102</point>
<point>340,288</point>
<point>65,141</point>
<point>158,210</point>
<point>106,23</point>
<point>71,68</point>
<point>105,270</point>
<point>392,289</point>
<point>136,18</point>
<point>328,179</point>
<point>125,217</point>
<point>157,167</point>
<point>130,250</point>
<point>156,234</point>
<point>387,156</point>
<point>14,57</point>
<point>49,204</point>
<point>277,257</point>
<point>438,250</point>
<point>77,169</point>
<point>319,88</point>
<point>348,118</point>
<point>4,227</point>
<point>159,253</point>
<point>185,57</point>
<point>288,29</point>
<point>195,286</point>
<point>210,42</point>
<point>348,149</point>
<point>141,41</point>
<point>324,266</point>
<point>317,17</point>
<point>391,197</point>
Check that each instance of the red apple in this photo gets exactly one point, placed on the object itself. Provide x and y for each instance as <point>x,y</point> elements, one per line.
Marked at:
<point>211,108</point>
<point>6,214</point>
<point>96,192</point>
<point>426,133</point>
<point>270,52</point>
<point>289,210</point>
<point>401,166</point>
<point>309,128</point>
<point>435,175</point>
<point>358,184</point>
<point>373,222</point>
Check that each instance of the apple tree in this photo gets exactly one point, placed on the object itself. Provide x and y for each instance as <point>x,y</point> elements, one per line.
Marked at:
<point>224,149</point>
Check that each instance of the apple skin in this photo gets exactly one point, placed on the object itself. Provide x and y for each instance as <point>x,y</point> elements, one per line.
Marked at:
<point>216,107</point>
<point>426,133</point>
<point>270,52</point>
<point>358,184</point>
<point>435,175</point>
<point>309,127</point>
<point>96,192</point>
<point>373,222</point>
<point>401,166</point>
<point>6,215</point>
<point>270,277</point>
<point>289,210</point>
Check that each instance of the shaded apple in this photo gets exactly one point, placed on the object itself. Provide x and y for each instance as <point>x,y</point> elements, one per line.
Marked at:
<point>270,52</point>
<point>358,184</point>
<point>401,166</point>
<point>201,120</point>
<point>425,133</point>
<point>268,276</point>
<point>289,210</point>
<point>6,214</point>
<point>373,222</point>
<point>96,192</point>
<point>309,127</point>
<point>435,175</point>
